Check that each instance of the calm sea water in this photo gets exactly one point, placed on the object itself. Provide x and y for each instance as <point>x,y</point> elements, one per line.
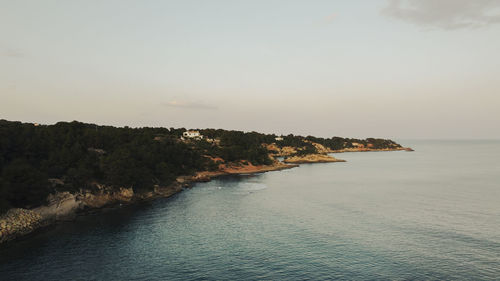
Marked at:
<point>432,214</point>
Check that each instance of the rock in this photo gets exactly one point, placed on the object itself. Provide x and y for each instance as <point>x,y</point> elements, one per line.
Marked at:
<point>312,158</point>
<point>61,206</point>
<point>18,222</point>
<point>283,151</point>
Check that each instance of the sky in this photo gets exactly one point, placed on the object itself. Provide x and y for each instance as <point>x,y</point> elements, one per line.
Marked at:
<point>408,69</point>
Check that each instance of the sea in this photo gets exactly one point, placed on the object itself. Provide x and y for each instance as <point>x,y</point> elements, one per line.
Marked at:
<point>431,214</point>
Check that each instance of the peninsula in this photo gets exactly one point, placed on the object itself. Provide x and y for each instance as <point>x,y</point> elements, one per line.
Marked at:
<point>50,173</point>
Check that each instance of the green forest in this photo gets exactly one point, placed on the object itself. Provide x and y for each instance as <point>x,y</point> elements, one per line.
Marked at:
<point>36,160</point>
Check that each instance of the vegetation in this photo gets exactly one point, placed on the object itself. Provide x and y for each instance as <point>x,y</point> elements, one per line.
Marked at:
<point>80,154</point>
<point>337,143</point>
<point>38,160</point>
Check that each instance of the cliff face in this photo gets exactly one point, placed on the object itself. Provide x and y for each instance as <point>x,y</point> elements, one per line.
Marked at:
<point>320,148</point>
<point>280,152</point>
<point>61,206</point>
<point>65,206</point>
<point>106,196</point>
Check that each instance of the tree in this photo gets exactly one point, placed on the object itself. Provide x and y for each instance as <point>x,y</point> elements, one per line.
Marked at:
<point>25,184</point>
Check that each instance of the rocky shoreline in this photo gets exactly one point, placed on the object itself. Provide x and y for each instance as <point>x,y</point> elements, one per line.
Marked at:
<point>65,206</point>
<point>365,149</point>
<point>312,158</point>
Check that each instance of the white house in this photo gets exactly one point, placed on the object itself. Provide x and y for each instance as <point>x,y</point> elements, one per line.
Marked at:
<point>278,138</point>
<point>192,135</point>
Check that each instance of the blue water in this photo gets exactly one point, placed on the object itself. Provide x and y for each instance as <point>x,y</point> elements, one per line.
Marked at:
<point>432,214</point>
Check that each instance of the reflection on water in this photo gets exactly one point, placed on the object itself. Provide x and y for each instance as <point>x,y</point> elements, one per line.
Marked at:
<point>431,214</point>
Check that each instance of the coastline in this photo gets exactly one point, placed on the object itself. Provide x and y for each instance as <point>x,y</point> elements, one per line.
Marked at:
<point>65,206</point>
<point>241,170</point>
<point>364,149</point>
<point>312,158</point>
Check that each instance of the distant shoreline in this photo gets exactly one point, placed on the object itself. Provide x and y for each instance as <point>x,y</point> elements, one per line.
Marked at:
<point>371,149</point>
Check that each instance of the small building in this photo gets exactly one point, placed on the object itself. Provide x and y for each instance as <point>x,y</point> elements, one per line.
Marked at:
<point>192,135</point>
<point>278,138</point>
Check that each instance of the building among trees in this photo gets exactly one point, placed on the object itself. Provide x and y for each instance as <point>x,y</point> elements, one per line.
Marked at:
<point>190,134</point>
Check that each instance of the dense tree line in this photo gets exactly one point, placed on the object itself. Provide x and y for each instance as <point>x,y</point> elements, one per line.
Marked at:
<point>237,145</point>
<point>38,160</point>
<point>80,154</point>
<point>337,143</point>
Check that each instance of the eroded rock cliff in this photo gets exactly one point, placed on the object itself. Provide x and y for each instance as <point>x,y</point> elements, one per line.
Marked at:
<point>65,206</point>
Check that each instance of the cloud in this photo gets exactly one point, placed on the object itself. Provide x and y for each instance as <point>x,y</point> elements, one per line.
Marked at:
<point>11,53</point>
<point>189,104</point>
<point>330,18</point>
<point>445,14</point>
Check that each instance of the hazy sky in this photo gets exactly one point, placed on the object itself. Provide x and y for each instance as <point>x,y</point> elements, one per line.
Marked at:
<point>396,69</point>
